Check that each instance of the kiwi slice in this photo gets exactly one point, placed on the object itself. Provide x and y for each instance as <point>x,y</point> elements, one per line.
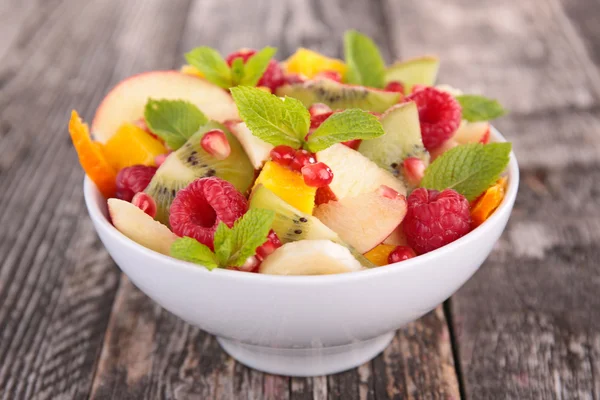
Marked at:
<point>402,139</point>
<point>191,162</point>
<point>292,225</point>
<point>340,96</point>
<point>416,71</point>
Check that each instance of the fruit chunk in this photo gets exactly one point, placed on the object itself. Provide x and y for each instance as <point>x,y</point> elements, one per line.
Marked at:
<point>487,203</point>
<point>145,203</point>
<point>140,227</point>
<point>256,149</point>
<point>416,71</point>
<point>310,257</point>
<point>288,185</point>
<point>379,254</point>
<point>198,209</point>
<point>91,157</point>
<point>473,132</point>
<point>132,180</point>
<point>126,101</point>
<point>402,139</point>
<point>363,221</point>
<point>190,162</point>
<point>215,143</point>
<point>340,96</point>
<point>131,145</point>
<point>310,63</point>
<point>435,219</point>
<point>354,174</point>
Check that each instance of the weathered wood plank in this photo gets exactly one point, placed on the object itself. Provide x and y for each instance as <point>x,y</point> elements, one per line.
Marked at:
<point>56,282</point>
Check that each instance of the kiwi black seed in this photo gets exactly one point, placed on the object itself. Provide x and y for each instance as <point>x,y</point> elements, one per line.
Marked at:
<point>191,162</point>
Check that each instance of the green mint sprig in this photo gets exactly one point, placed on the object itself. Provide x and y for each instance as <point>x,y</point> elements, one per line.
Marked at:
<point>287,122</point>
<point>479,108</point>
<point>365,64</point>
<point>232,246</point>
<point>174,121</point>
<point>216,70</point>
<point>469,169</point>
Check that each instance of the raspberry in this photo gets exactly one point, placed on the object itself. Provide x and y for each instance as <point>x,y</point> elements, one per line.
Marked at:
<point>439,114</point>
<point>394,86</point>
<point>273,76</point>
<point>317,175</point>
<point>401,253</point>
<point>132,180</point>
<point>198,208</point>
<point>434,219</point>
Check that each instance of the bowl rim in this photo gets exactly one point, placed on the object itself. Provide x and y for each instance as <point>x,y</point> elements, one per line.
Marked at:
<point>101,222</point>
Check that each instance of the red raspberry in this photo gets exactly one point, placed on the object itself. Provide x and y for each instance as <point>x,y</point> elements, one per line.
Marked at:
<point>269,246</point>
<point>434,219</point>
<point>283,155</point>
<point>394,86</point>
<point>132,180</point>
<point>439,114</point>
<point>198,208</point>
<point>317,175</point>
<point>401,253</point>
<point>273,76</point>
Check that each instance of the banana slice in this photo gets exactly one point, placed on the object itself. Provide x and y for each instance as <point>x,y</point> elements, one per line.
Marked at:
<point>310,257</point>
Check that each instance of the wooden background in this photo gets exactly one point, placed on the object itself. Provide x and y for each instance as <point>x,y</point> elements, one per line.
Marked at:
<point>526,326</point>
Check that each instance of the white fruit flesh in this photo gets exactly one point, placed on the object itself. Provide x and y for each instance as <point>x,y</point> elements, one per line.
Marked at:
<point>354,174</point>
<point>421,71</point>
<point>310,257</point>
<point>258,151</point>
<point>363,221</point>
<point>140,227</point>
<point>126,101</point>
<point>472,132</point>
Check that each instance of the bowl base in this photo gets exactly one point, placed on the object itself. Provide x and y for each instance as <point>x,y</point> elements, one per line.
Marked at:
<point>306,362</point>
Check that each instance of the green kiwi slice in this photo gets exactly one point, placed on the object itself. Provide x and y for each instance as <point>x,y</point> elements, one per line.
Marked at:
<point>292,225</point>
<point>340,96</point>
<point>191,162</point>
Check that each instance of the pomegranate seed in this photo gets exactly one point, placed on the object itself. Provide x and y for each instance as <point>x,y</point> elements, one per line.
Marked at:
<point>160,159</point>
<point>244,54</point>
<point>302,158</point>
<point>413,170</point>
<point>394,86</point>
<point>283,155</point>
<point>145,203</point>
<point>216,144</point>
<point>324,195</point>
<point>401,253</point>
<point>331,75</point>
<point>268,247</point>
<point>387,192</point>
<point>317,120</point>
<point>317,175</point>
<point>250,264</point>
<point>318,109</point>
<point>353,144</point>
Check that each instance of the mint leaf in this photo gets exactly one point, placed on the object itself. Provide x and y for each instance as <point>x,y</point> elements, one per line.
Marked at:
<point>223,243</point>
<point>479,108</point>
<point>174,121</point>
<point>343,126</point>
<point>188,249</point>
<point>257,65</point>
<point>365,64</point>
<point>237,71</point>
<point>469,169</point>
<point>211,64</point>
<point>250,232</point>
<point>269,118</point>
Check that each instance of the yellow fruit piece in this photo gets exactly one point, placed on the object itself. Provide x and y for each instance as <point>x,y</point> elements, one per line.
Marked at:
<point>190,70</point>
<point>288,185</point>
<point>91,156</point>
<point>379,255</point>
<point>131,145</point>
<point>309,63</point>
<point>485,205</point>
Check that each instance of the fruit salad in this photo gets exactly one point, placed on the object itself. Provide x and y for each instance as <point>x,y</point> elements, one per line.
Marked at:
<point>309,166</point>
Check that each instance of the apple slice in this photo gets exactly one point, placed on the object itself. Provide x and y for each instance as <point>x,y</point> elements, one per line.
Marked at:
<point>258,150</point>
<point>473,132</point>
<point>364,221</point>
<point>415,71</point>
<point>354,174</point>
<point>310,257</point>
<point>126,101</point>
<point>140,227</point>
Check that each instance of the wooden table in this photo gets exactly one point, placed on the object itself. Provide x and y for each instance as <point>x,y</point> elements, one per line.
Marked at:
<point>526,326</point>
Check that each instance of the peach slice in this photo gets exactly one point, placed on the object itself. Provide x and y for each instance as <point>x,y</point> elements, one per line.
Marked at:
<point>126,101</point>
<point>473,132</point>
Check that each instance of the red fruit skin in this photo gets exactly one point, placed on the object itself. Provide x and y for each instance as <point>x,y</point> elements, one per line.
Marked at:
<point>318,119</point>
<point>318,109</point>
<point>486,137</point>
<point>317,174</point>
<point>401,253</point>
<point>273,76</point>
<point>145,202</point>
<point>394,86</point>
<point>353,144</point>
<point>324,195</point>
<point>132,180</point>
<point>302,158</point>
<point>283,155</point>
<point>198,208</point>
<point>215,143</point>
<point>290,79</point>
<point>331,75</point>
<point>269,246</point>
<point>439,114</point>
<point>434,219</point>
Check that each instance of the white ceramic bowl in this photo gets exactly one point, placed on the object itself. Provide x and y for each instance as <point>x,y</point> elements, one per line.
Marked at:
<point>304,325</point>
